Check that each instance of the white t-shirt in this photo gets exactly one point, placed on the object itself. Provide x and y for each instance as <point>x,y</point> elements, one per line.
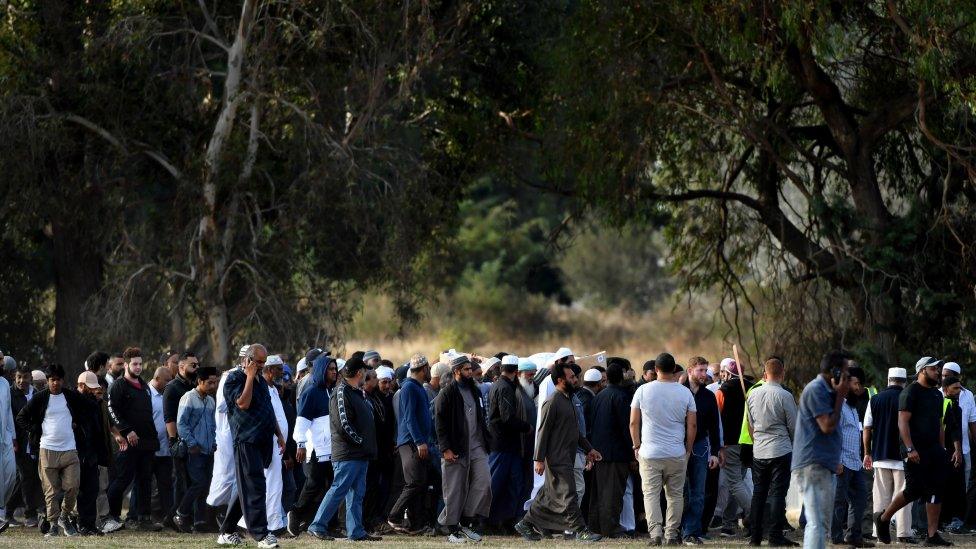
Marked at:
<point>664,406</point>
<point>56,433</point>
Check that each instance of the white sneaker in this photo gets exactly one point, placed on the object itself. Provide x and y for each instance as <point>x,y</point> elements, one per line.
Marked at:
<point>268,542</point>
<point>229,539</point>
<point>470,534</point>
<point>457,537</point>
<point>111,525</point>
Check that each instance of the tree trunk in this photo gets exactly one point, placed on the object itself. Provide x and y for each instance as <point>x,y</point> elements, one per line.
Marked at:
<point>77,277</point>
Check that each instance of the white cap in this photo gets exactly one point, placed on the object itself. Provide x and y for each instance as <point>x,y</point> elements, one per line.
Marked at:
<point>510,359</point>
<point>243,351</point>
<point>302,364</point>
<point>953,366</point>
<point>725,363</point>
<point>897,373</point>
<point>274,360</point>
<point>38,375</point>
<point>340,364</point>
<point>491,361</point>
<point>592,375</point>
<point>384,372</point>
<point>560,354</point>
<point>925,362</point>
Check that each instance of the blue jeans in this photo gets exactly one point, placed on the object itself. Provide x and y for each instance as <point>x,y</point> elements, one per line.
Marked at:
<point>850,499</point>
<point>695,489</point>
<point>199,469</point>
<point>349,483</point>
<point>816,484</point>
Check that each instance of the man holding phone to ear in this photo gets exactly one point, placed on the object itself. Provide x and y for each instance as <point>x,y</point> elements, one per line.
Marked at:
<point>817,445</point>
<point>926,462</point>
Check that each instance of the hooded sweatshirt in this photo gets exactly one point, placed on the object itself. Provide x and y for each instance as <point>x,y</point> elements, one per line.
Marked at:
<point>312,424</point>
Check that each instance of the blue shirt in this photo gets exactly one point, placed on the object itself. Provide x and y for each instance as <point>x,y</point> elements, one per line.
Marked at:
<point>414,424</point>
<point>850,435</point>
<point>256,424</point>
<point>810,444</point>
<point>195,421</point>
<point>580,418</point>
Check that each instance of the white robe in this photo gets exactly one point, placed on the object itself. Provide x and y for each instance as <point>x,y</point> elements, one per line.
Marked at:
<point>8,466</point>
<point>546,389</point>
<point>223,482</point>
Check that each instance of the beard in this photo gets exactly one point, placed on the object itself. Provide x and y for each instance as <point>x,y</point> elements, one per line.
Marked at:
<point>469,382</point>
<point>527,386</point>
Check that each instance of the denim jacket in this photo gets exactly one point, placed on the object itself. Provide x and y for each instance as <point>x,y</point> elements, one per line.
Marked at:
<point>195,421</point>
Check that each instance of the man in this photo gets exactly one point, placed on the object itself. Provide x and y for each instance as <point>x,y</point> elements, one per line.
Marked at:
<point>8,441</point>
<point>882,454</point>
<point>252,423</point>
<point>955,493</point>
<point>555,506</point>
<point>663,429</point>
<point>414,437</point>
<point>372,359</point>
<point>131,410</point>
<point>967,408</point>
<point>592,383</point>
<point>304,368</point>
<point>95,363</point>
<point>197,432</point>
<point>527,391</point>
<point>817,445</point>
<point>92,456</point>
<point>850,492</point>
<point>55,420</point>
<point>184,382</point>
<point>731,404</point>
<point>507,423</point>
<point>609,420</point>
<point>353,446</point>
<point>38,380</point>
<point>30,484</point>
<point>379,476</point>
<point>171,360</point>
<point>648,374</point>
<point>273,477</point>
<point>162,465</point>
<point>460,425</point>
<point>706,453</point>
<point>314,440</point>
<point>437,371</point>
<point>116,369</point>
<point>921,433</point>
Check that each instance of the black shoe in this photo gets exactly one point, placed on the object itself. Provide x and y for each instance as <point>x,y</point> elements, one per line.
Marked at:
<point>527,531</point>
<point>936,541</point>
<point>584,535</point>
<point>858,543</point>
<point>367,537</point>
<point>884,529</point>
<point>45,525</point>
<point>292,524</point>
<point>320,535</point>
<point>728,533</point>
<point>149,526</point>
<point>783,542</point>
<point>908,541</point>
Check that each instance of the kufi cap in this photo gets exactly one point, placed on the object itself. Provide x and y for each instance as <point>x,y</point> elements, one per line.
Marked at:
<point>89,379</point>
<point>491,361</point>
<point>38,375</point>
<point>897,373</point>
<point>418,361</point>
<point>592,375</point>
<point>526,365</point>
<point>302,365</point>
<point>459,361</point>
<point>510,359</point>
<point>560,354</point>
<point>370,355</point>
<point>439,369</point>
<point>274,360</point>
<point>953,366</point>
<point>384,372</point>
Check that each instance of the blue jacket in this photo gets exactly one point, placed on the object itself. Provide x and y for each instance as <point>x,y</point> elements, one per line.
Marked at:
<point>314,400</point>
<point>195,421</point>
<point>415,424</point>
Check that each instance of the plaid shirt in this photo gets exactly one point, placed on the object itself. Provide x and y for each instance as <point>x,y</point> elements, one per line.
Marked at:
<point>850,432</point>
<point>257,423</point>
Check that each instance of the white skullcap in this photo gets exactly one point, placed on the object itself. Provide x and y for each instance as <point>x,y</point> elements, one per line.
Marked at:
<point>510,359</point>
<point>560,354</point>
<point>38,375</point>
<point>592,375</point>
<point>302,364</point>
<point>243,352</point>
<point>384,372</point>
<point>274,360</point>
<point>340,364</point>
<point>491,361</point>
<point>897,373</point>
<point>725,363</point>
<point>952,366</point>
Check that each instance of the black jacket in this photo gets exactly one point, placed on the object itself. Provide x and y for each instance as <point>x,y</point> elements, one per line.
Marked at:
<point>351,420</point>
<point>89,439</point>
<point>172,393</point>
<point>586,396</point>
<point>733,408</point>
<point>17,402</point>
<point>131,410</point>
<point>450,423</point>
<point>609,421</point>
<point>505,424</point>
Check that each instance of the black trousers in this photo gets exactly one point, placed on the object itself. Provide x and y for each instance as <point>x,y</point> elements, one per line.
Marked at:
<point>181,482</point>
<point>607,498</point>
<point>379,477</point>
<point>411,498</point>
<point>711,497</point>
<point>132,465</point>
<point>318,480</point>
<point>249,460</point>
<point>28,486</point>
<point>162,472</point>
<point>88,494</point>
<point>771,481</point>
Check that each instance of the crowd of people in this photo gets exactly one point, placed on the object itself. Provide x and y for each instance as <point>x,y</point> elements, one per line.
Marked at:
<point>471,446</point>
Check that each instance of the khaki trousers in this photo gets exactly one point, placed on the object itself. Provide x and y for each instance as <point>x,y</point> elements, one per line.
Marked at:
<point>59,471</point>
<point>668,473</point>
<point>887,483</point>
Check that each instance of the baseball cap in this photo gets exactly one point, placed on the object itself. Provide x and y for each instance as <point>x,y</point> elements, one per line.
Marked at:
<point>89,379</point>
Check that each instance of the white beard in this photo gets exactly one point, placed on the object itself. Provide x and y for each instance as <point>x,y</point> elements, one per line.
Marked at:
<point>527,386</point>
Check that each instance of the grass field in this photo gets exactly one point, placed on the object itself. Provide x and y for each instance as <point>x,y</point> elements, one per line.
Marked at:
<point>21,538</point>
